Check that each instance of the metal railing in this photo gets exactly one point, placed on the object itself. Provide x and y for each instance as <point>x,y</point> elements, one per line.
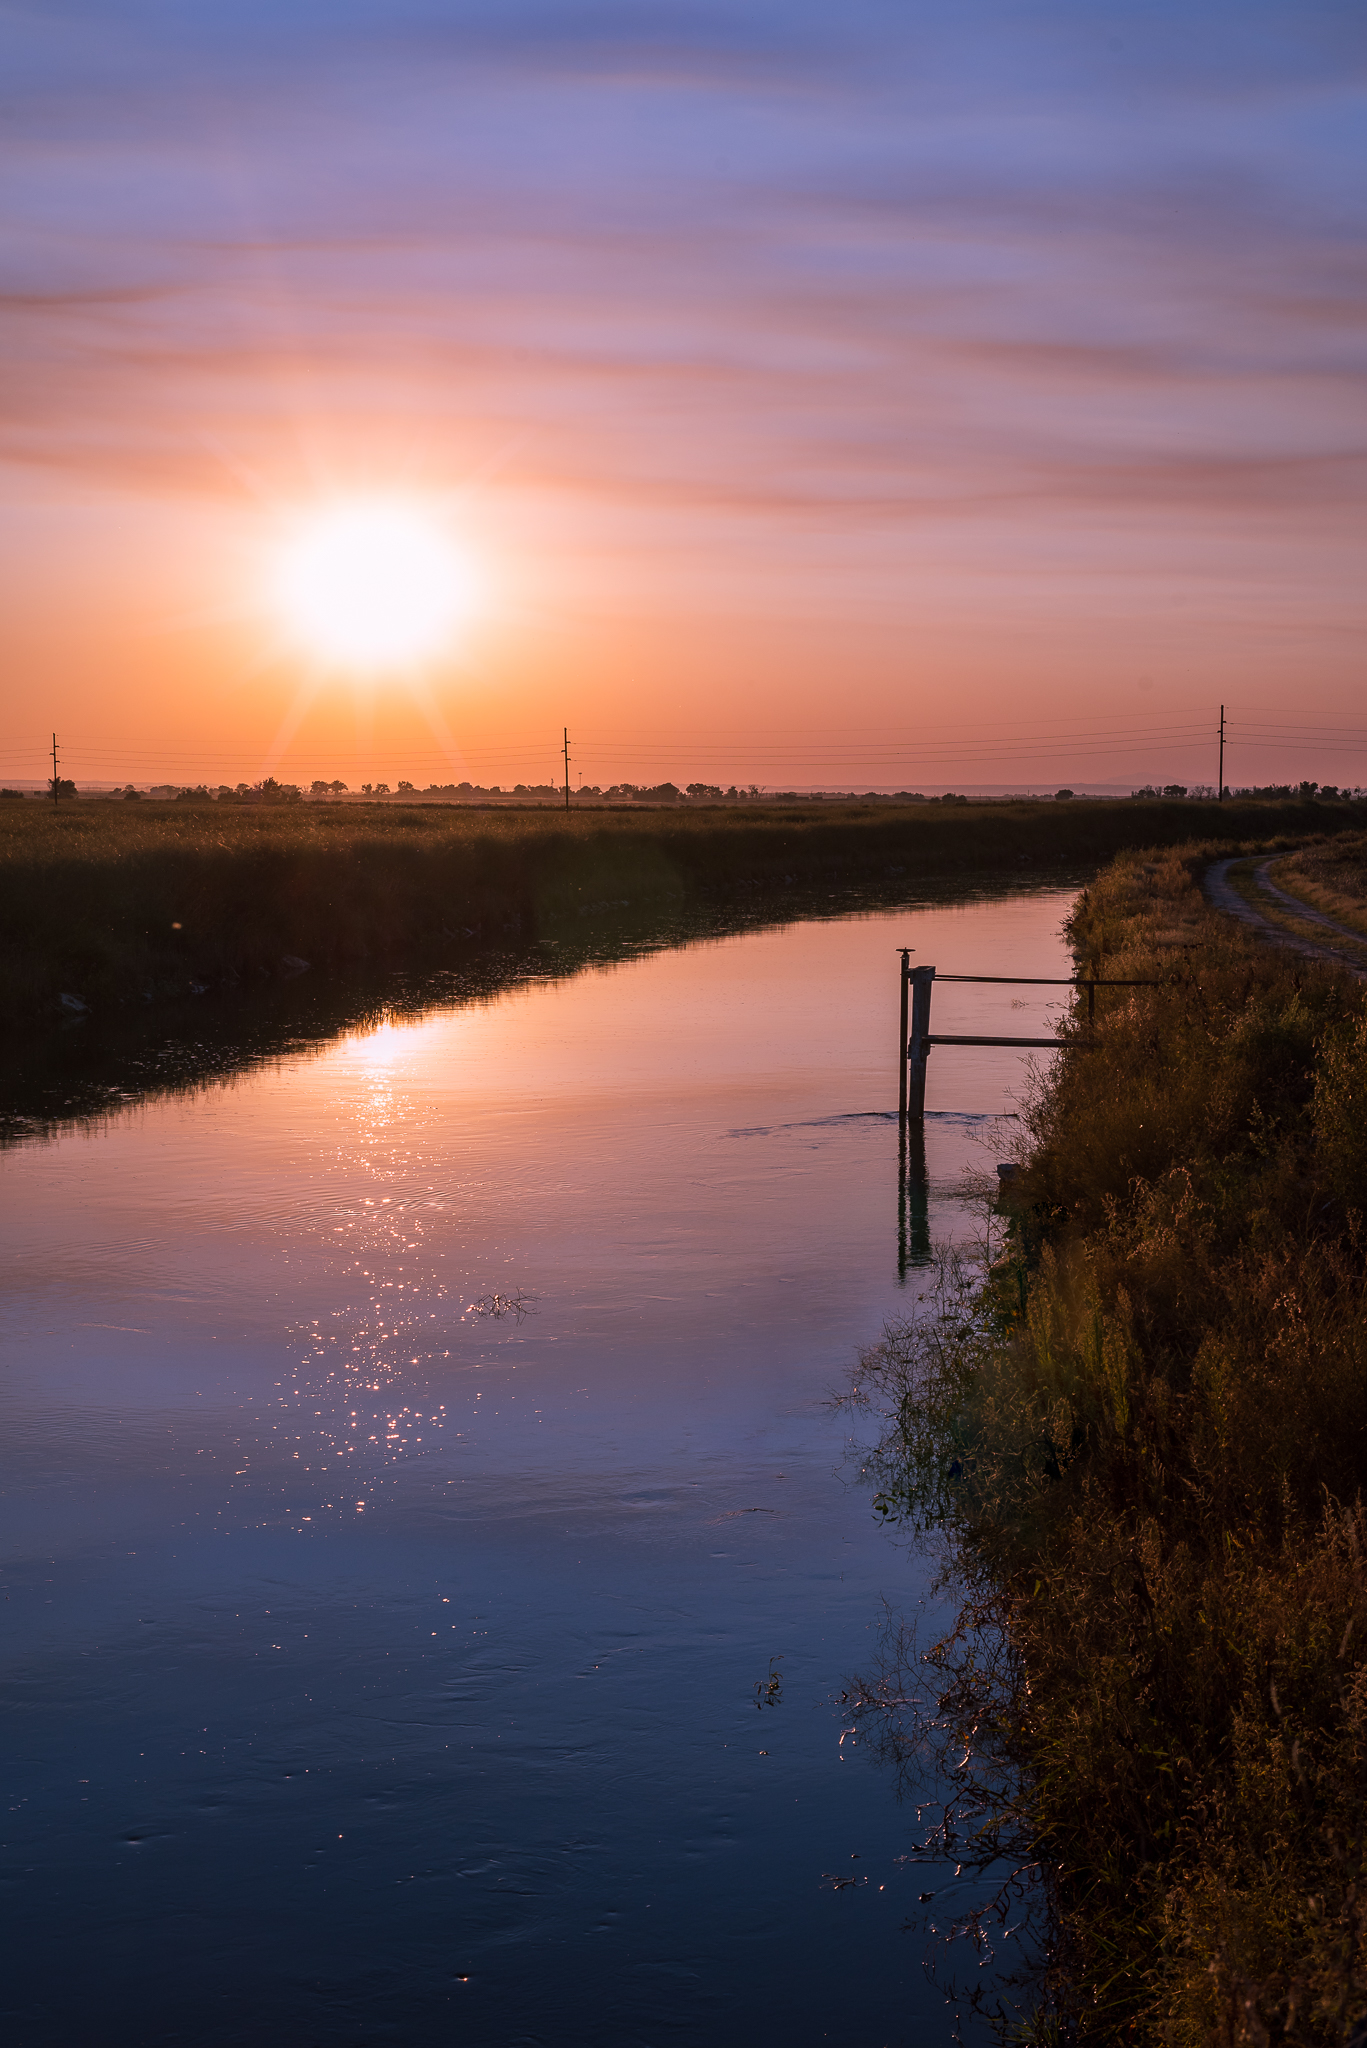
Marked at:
<point>916,1037</point>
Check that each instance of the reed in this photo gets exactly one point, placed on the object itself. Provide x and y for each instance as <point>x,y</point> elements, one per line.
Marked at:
<point>1142,1440</point>
<point>116,901</point>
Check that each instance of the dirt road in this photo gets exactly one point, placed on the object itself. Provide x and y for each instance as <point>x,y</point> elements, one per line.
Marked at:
<point>1316,942</point>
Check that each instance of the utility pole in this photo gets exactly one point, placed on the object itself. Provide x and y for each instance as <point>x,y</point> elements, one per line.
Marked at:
<point>1221,784</point>
<point>54,768</point>
<point>567,767</point>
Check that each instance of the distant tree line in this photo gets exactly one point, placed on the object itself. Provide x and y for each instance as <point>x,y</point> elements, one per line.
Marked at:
<point>270,791</point>
<point>1304,790</point>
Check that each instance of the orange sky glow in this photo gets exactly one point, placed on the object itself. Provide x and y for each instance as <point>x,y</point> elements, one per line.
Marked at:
<point>809,403</point>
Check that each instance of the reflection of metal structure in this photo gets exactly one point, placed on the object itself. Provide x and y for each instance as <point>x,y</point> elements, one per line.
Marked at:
<point>913,1197</point>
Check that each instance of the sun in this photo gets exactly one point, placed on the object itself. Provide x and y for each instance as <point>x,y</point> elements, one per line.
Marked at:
<point>373,584</point>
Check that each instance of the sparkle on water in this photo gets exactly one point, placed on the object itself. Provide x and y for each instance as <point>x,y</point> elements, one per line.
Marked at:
<point>418,1469</point>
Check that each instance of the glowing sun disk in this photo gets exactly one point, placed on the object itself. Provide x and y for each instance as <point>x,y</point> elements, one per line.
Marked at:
<point>373,586</point>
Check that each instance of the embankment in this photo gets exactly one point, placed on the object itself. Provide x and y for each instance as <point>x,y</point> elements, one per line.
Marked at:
<point>113,902</point>
<point>1145,1444</point>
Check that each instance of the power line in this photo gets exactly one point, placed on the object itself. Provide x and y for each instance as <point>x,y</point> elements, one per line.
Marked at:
<point>844,756</point>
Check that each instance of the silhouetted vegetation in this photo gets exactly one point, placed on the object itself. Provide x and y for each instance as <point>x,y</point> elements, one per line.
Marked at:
<point>1142,1436</point>
<point>118,901</point>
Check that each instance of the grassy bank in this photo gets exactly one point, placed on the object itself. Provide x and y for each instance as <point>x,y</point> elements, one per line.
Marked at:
<point>1143,1440</point>
<point>112,902</point>
<point>1331,877</point>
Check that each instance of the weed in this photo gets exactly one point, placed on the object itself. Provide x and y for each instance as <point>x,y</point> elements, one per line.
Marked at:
<point>1142,1440</point>
<point>115,902</point>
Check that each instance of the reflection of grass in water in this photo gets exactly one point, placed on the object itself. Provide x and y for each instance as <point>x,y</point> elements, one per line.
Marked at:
<point>1142,1444</point>
<point>496,1305</point>
<point>769,1691</point>
<point>120,901</point>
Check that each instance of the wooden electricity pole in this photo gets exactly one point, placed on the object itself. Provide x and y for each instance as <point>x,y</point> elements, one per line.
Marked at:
<point>567,767</point>
<point>54,768</point>
<point>1220,787</point>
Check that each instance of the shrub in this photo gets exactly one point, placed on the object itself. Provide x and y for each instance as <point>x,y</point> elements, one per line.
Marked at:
<point>1143,1439</point>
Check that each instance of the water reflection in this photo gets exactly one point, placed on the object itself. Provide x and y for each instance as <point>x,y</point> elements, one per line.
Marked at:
<point>88,1069</point>
<point>416,1454</point>
<point>913,1197</point>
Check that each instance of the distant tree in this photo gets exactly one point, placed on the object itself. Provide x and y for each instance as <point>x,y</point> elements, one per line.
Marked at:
<point>1062,796</point>
<point>382,789</point>
<point>1307,790</point>
<point>704,789</point>
<point>320,789</point>
<point>1174,789</point>
<point>405,789</point>
<point>338,788</point>
<point>58,785</point>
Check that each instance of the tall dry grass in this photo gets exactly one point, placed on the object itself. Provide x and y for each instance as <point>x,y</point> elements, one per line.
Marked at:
<point>1143,1441</point>
<point>1331,876</point>
<point>111,901</point>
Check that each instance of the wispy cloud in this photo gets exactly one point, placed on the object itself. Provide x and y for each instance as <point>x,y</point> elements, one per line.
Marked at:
<point>1088,275</point>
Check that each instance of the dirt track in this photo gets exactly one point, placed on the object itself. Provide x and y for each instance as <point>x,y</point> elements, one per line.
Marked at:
<point>1222,895</point>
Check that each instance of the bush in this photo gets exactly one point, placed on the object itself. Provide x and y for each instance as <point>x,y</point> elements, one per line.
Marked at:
<point>1143,1437</point>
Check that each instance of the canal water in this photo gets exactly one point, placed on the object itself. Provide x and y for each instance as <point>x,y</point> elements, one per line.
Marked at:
<point>432,1563</point>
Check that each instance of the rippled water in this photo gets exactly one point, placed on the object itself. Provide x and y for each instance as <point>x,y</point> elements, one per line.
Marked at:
<point>417,1464</point>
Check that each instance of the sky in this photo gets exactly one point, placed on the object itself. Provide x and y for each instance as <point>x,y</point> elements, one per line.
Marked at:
<point>890,395</point>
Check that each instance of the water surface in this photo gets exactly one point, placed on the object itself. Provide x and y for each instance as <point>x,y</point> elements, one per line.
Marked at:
<point>417,1462</point>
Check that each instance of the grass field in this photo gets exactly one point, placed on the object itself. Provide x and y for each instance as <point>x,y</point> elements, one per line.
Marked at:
<point>113,903</point>
<point>1143,1441</point>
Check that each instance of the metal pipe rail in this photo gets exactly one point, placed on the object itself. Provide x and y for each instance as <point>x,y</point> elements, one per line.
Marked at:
<point>916,1038</point>
<point>938,1038</point>
<point>1051,981</point>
